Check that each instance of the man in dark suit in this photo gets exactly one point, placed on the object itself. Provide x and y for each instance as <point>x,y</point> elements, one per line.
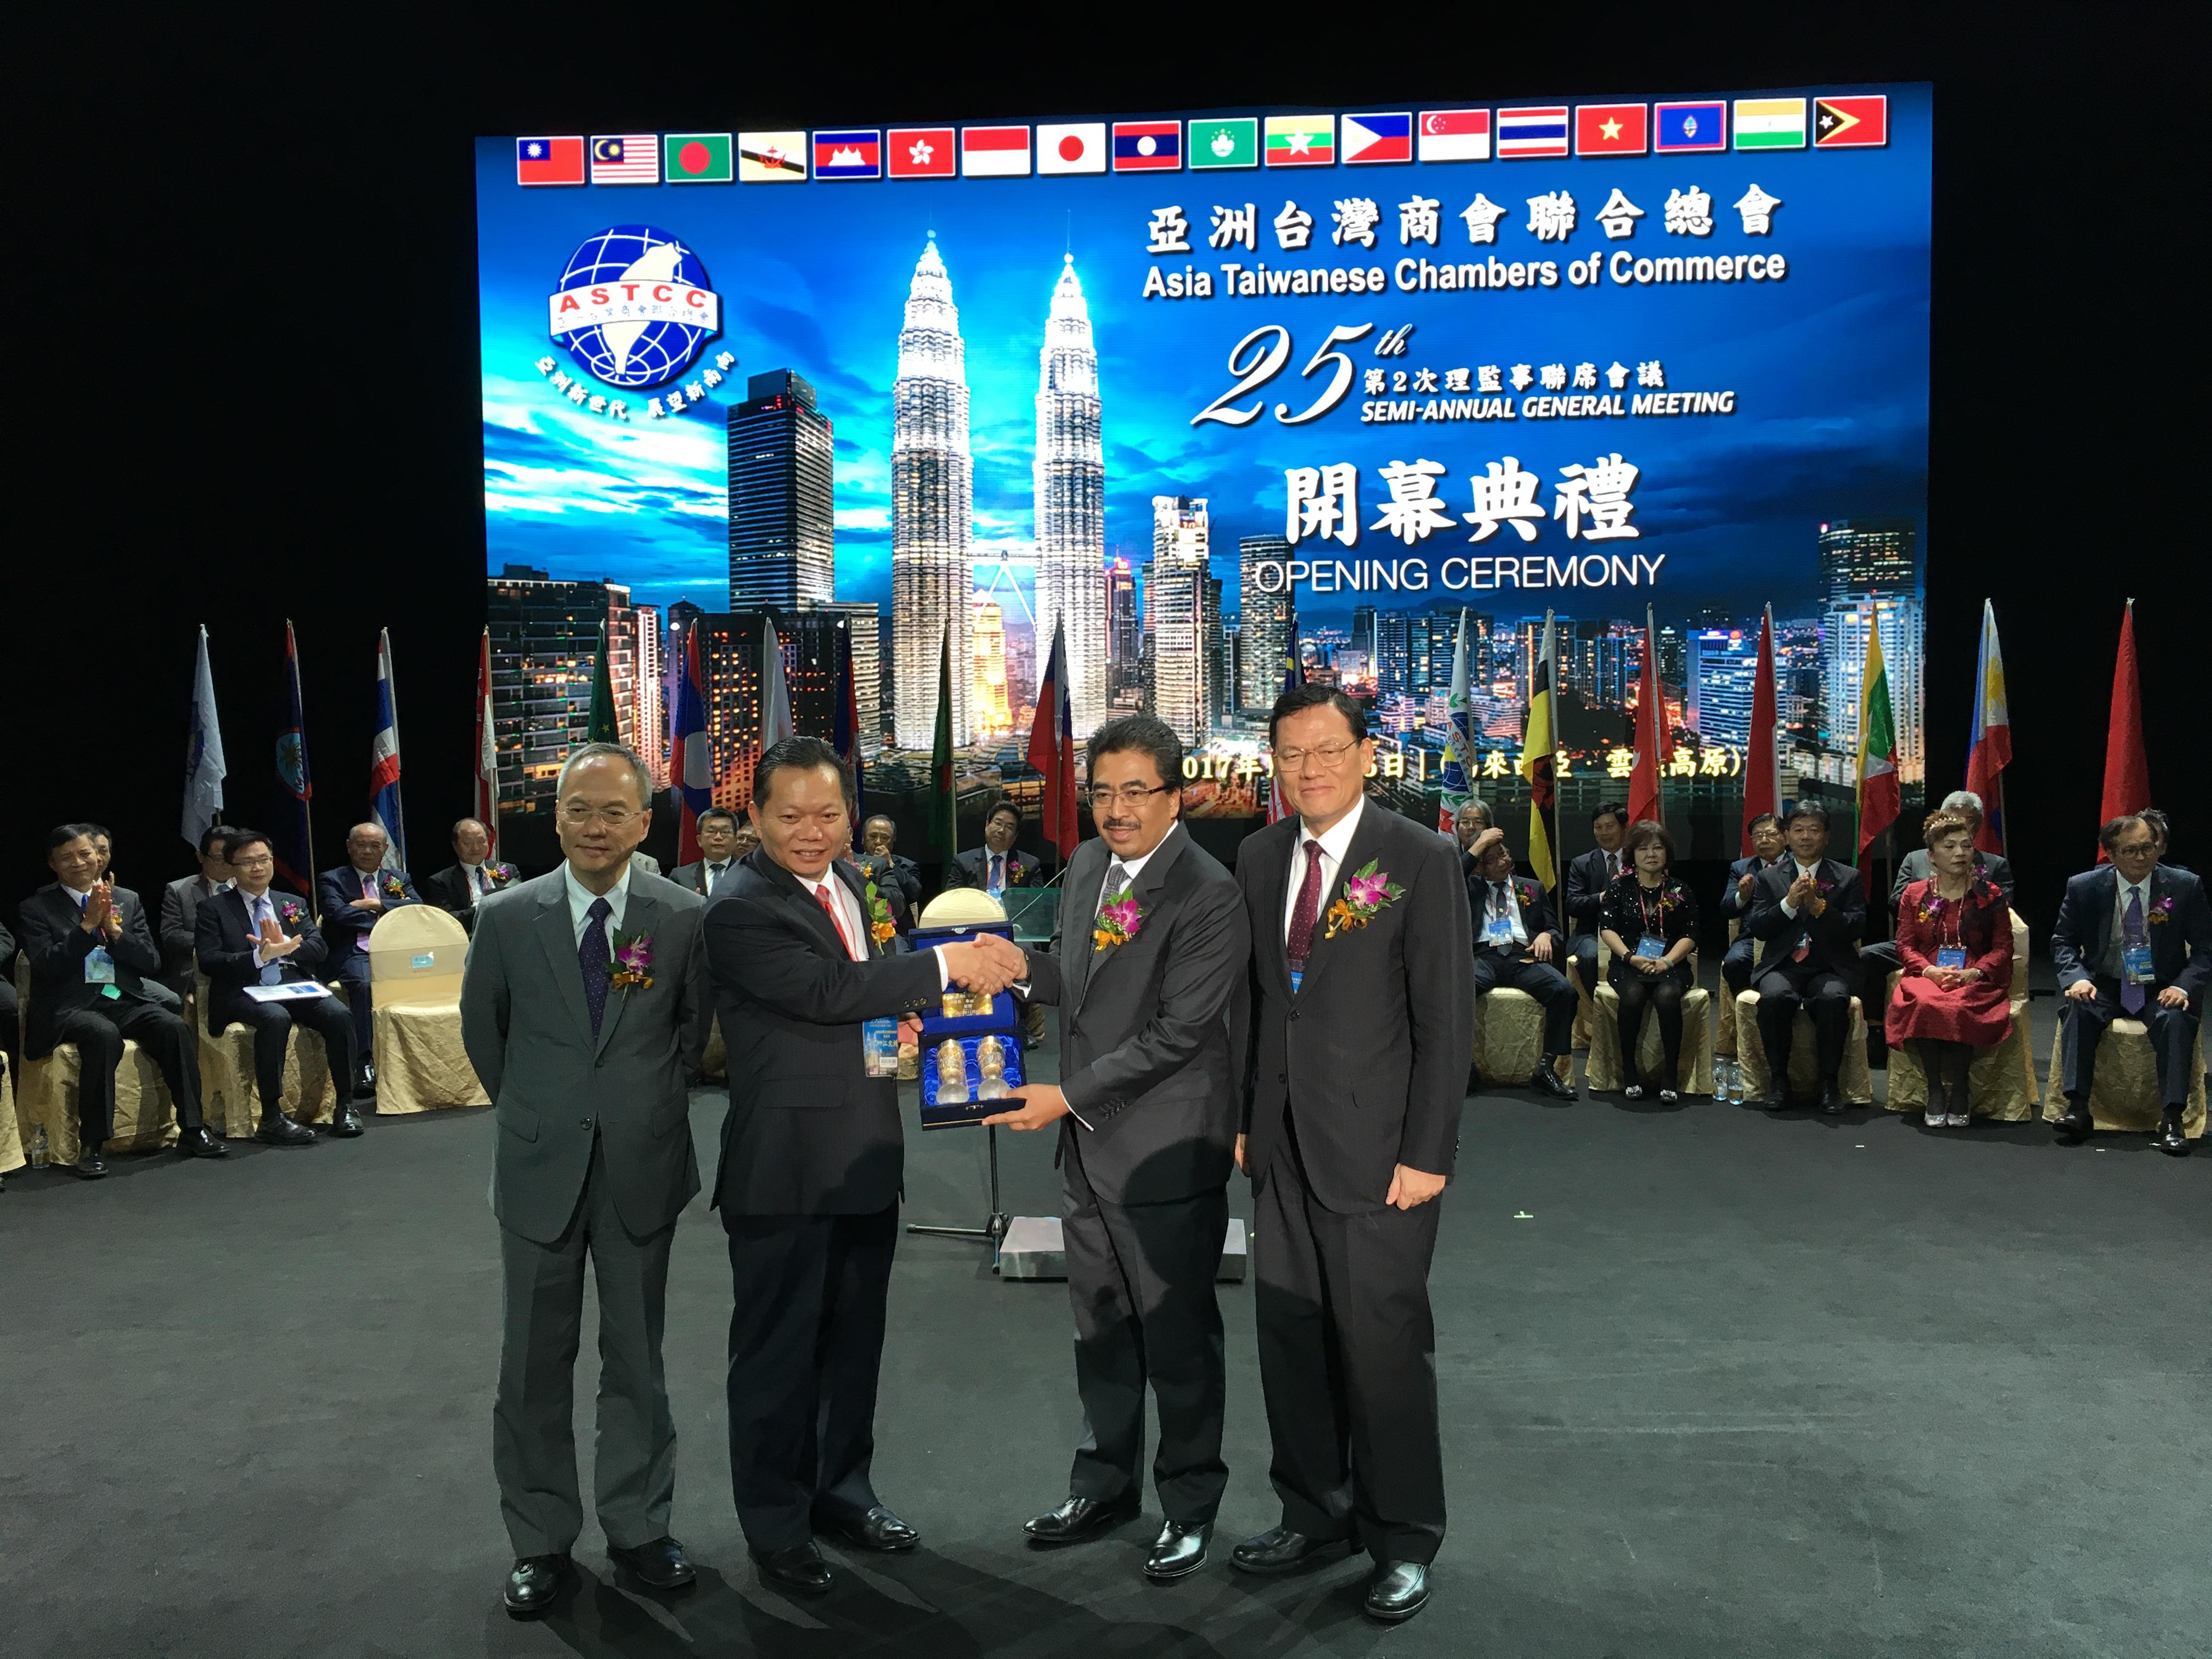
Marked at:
<point>583,1009</point>
<point>718,841</point>
<point>996,865</point>
<point>2133,941</point>
<point>811,1161</point>
<point>1879,960</point>
<point>1808,913</point>
<point>92,957</point>
<point>353,898</point>
<point>10,1011</point>
<point>1588,875</point>
<point>251,936</point>
<point>879,839</point>
<point>1361,1021</point>
<point>1517,944</point>
<point>473,876</point>
<point>181,903</point>
<point>1768,849</point>
<point>1147,1108</point>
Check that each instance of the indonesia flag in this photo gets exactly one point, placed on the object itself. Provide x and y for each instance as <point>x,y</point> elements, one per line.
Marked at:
<point>994,152</point>
<point>487,789</point>
<point>1052,749</point>
<point>691,756</point>
<point>384,759</point>
<point>1455,135</point>
<point>1527,132</point>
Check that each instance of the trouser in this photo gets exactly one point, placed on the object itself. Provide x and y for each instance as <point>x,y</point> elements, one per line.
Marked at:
<point>10,1016</point>
<point>1140,1276</point>
<point>1582,952</point>
<point>272,1024</point>
<point>533,1441</point>
<point>1662,993</point>
<point>1785,986</point>
<point>1347,1365</point>
<point>99,1031</point>
<point>806,1342</point>
<point>1877,962</point>
<point>352,975</point>
<point>1541,980</point>
<point>1735,964</point>
<point>2082,1026</point>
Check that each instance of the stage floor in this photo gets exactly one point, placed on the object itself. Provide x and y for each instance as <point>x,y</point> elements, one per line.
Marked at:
<point>1712,1384</point>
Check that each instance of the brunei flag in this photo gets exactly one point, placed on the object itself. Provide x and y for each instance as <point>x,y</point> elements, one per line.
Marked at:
<point>1538,759</point>
<point>1878,797</point>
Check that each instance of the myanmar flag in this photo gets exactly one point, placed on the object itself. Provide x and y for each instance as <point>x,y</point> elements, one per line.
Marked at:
<point>1879,799</point>
<point>944,810</point>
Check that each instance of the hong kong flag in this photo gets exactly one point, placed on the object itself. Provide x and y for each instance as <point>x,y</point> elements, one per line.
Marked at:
<point>920,153</point>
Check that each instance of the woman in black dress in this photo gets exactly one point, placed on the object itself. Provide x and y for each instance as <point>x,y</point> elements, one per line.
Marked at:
<point>1649,921</point>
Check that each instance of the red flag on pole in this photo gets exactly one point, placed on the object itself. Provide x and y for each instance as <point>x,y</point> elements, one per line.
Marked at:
<point>2127,767</point>
<point>1051,750</point>
<point>486,806</point>
<point>1651,733</point>
<point>1762,784</point>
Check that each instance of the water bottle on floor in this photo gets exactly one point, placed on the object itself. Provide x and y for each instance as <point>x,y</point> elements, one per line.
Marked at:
<point>38,1147</point>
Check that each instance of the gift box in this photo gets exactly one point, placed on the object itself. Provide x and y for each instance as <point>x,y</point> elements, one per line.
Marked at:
<point>1002,1020</point>
<point>975,1109</point>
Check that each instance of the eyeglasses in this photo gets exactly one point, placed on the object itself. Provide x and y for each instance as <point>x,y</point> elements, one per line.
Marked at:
<point>1131,795</point>
<point>1329,754</point>
<point>582,812</point>
<point>252,862</point>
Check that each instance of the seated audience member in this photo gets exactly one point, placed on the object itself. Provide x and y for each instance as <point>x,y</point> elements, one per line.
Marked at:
<point>1806,913</point>
<point>748,838</point>
<point>158,987</point>
<point>91,956</point>
<point>1735,900</point>
<point>718,841</point>
<point>354,898</point>
<point>1475,831</point>
<point>1880,959</point>
<point>1954,941</point>
<point>1517,945</point>
<point>996,865</point>
<point>253,936</point>
<point>1589,875</point>
<point>2133,941</point>
<point>473,876</point>
<point>2160,831</point>
<point>646,862</point>
<point>180,902</point>
<point>10,1011</point>
<point>879,838</point>
<point>1649,921</point>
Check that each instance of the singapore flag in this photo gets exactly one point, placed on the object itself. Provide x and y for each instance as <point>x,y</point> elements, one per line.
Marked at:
<point>1455,135</point>
<point>1079,147</point>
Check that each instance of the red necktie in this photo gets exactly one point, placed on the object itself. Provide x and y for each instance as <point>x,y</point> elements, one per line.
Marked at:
<point>836,922</point>
<point>1307,912</point>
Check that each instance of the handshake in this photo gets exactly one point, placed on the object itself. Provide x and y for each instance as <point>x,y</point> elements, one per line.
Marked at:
<point>986,965</point>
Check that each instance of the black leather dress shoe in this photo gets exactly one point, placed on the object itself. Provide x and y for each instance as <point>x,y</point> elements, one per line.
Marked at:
<point>1551,1083</point>
<point>2074,1125</point>
<point>534,1582</point>
<point>1833,1103</point>
<point>1776,1100</point>
<point>345,1124</point>
<point>91,1166</point>
<point>879,1531</point>
<point>199,1143</point>
<point>278,1130</point>
<point>1474,1079</point>
<point>799,1568</point>
<point>1281,1550</point>
<point>659,1564</point>
<point>1398,1590</point>
<point>1179,1550</point>
<point>2169,1139</point>
<point>1082,1517</point>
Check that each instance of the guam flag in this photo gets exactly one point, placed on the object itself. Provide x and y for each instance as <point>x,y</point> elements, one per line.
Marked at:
<point>295,835</point>
<point>691,757</point>
<point>1052,749</point>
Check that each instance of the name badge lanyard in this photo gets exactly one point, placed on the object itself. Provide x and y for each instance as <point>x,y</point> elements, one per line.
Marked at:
<point>1654,934</point>
<point>1952,952</point>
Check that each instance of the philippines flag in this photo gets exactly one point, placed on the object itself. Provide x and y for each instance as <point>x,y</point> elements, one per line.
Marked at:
<point>550,161</point>
<point>994,152</point>
<point>1535,131</point>
<point>1377,138</point>
<point>1988,750</point>
<point>487,788</point>
<point>691,756</point>
<point>857,155</point>
<point>294,850</point>
<point>1147,146</point>
<point>384,759</point>
<point>1455,135</point>
<point>1682,128</point>
<point>1052,749</point>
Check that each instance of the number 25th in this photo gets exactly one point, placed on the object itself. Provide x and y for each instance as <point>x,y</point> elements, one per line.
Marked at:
<point>1256,364</point>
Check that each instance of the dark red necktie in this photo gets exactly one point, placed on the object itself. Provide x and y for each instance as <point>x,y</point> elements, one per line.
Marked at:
<point>1307,911</point>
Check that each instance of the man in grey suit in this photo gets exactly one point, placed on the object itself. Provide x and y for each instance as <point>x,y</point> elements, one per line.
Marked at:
<point>1146,979</point>
<point>584,1007</point>
<point>181,903</point>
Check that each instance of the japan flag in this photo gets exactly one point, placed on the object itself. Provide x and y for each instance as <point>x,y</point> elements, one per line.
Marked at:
<point>1079,147</point>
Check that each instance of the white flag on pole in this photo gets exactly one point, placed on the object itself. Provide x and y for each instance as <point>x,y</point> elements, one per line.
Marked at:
<point>204,767</point>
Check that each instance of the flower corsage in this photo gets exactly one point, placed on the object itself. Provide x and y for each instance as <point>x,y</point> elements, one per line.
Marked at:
<point>881,927</point>
<point>2161,909</point>
<point>1119,921</point>
<point>632,962</point>
<point>1367,893</point>
<point>394,888</point>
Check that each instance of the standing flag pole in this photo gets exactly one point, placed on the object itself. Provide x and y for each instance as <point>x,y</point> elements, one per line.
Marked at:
<point>1644,802</point>
<point>295,852</point>
<point>1459,751</point>
<point>487,789</point>
<point>944,808</point>
<point>776,694</point>
<point>602,727</point>
<point>1294,676</point>
<point>1762,773</point>
<point>2127,764</point>
<point>1988,752</point>
<point>845,736</point>
<point>1879,798</point>
<point>1538,761</point>
<point>203,763</point>
<point>1052,749</point>
<point>384,759</point>
<point>691,757</point>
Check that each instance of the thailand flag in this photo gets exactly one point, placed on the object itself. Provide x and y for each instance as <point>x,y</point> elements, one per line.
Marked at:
<point>384,759</point>
<point>1526,132</point>
<point>1052,748</point>
<point>1371,138</point>
<point>691,756</point>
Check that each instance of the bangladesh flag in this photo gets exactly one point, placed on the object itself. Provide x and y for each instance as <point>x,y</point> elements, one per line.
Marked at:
<point>602,728</point>
<point>695,158</point>
<point>944,813</point>
<point>1879,801</point>
<point>1224,143</point>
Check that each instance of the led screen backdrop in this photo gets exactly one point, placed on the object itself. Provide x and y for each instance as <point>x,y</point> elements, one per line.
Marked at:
<point>1213,391</point>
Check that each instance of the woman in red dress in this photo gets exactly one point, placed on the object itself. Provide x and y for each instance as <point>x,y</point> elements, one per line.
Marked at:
<point>1955,937</point>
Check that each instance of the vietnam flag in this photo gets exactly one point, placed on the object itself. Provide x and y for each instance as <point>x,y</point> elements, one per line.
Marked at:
<point>1611,129</point>
<point>1879,801</point>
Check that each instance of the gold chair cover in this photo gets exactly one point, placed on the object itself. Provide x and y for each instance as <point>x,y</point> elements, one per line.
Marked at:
<point>145,1116</point>
<point>1509,1038</point>
<point>229,1096</point>
<point>715,1066</point>
<point>12,1155</point>
<point>2125,1097</point>
<point>1856,1079</point>
<point>415,958</point>
<point>2000,1080</point>
<point>1695,1076</point>
<point>1724,1038</point>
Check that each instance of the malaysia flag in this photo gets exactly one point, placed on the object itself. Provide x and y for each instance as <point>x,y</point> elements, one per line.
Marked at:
<point>1681,128</point>
<point>849,155</point>
<point>548,160</point>
<point>920,152</point>
<point>1537,132</point>
<point>1611,129</point>
<point>994,152</point>
<point>1455,135</point>
<point>1370,138</point>
<point>1071,147</point>
<point>1147,146</point>
<point>630,158</point>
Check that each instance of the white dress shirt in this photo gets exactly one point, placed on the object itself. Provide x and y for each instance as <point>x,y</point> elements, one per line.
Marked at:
<point>713,872</point>
<point>1333,846</point>
<point>579,903</point>
<point>472,875</point>
<point>1789,908</point>
<point>1131,869</point>
<point>850,921</point>
<point>1490,909</point>
<point>2117,939</point>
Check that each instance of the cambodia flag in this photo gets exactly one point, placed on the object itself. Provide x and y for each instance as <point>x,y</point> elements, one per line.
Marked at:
<point>1052,749</point>
<point>384,759</point>
<point>294,835</point>
<point>691,756</point>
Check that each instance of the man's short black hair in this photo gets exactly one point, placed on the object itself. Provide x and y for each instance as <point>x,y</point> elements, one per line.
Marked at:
<point>799,755</point>
<point>1299,698</point>
<point>62,834</point>
<point>238,840</point>
<point>1002,805</point>
<point>1140,734</point>
<point>1758,818</point>
<point>2160,829</point>
<point>1806,809</point>
<point>214,836</point>
<point>720,812</point>
<point>2109,836</point>
<point>1618,809</point>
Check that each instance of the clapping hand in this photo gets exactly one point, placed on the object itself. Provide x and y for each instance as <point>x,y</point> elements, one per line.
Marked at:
<point>1802,892</point>
<point>100,911</point>
<point>275,941</point>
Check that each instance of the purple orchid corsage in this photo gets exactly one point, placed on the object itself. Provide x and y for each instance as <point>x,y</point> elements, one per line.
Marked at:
<point>632,962</point>
<point>1120,919</point>
<point>2161,908</point>
<point>1367,892</point>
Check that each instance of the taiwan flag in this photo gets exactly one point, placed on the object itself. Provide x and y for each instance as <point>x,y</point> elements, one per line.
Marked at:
<point>550,161</point>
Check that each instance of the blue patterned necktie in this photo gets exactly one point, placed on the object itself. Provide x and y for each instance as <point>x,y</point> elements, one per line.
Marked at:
<point>592,956</point>
<point>2131,934</point>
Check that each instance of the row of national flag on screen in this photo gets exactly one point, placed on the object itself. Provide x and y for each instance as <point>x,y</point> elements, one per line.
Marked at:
<point>1840,122</point>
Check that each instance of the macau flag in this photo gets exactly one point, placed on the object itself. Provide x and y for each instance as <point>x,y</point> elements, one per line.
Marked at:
<point>1224,143</point>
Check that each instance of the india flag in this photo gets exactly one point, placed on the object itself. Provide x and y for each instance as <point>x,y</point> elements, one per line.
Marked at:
<point>1770,123</point>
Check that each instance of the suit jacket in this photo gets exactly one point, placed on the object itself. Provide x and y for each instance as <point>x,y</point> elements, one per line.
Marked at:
<point>1732,908</point>
<point>1586,883</point>
<point>56,945</point>
<point>1916,866</point>
<point>973,869</point>
<point>345,924</point>
<point>1534,906</point>
<point>694,875</point>
<point>449,890</point>
<point>1369,1055</point>
<point>809,1133</point>
<point>555,1087</point>
<point>2180,945</point>
<point>1833,935</point>
<point>180,905</point>
<point>223,941</point>
<point>1144,1053</point>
